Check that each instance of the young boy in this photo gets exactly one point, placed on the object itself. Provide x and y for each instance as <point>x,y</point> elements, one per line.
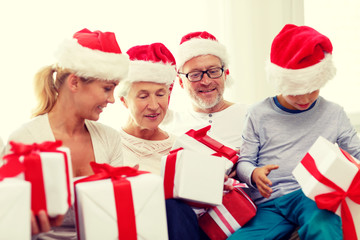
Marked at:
<point>280,130</point>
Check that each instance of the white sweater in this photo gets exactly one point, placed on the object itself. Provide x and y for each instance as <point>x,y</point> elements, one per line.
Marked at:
<point>106,141</point>
<point>146,153</point>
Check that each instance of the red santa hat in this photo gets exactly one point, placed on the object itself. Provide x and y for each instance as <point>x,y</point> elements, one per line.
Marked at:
<point>93,54</point>
<point>151,63</point>
<point>300,60</point>
<point>200,43</point>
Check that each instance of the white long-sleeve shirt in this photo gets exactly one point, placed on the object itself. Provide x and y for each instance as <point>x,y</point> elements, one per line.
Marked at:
<point>226,125</point>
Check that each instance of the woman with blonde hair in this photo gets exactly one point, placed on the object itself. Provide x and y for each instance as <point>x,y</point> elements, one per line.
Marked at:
<point>71,95</point>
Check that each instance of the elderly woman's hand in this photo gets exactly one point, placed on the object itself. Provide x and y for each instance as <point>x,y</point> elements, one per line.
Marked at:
<point>42,223</point>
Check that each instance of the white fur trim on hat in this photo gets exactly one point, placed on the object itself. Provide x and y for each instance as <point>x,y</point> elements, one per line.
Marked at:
<point>86,62</point>
<point>199,46</point>
<point>144,71</point>
<point>301,81</point>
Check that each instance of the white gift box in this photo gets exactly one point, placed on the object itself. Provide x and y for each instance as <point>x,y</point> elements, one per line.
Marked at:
<point>188,142</point>
<point>197,177</point>
<point>15,209</point>
<point>332,164</point>
<point>96,209</point>
<point>47,166</point>
<point>57,178</point>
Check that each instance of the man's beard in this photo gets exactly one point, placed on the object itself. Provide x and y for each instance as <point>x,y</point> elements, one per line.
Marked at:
<point>205,104</point>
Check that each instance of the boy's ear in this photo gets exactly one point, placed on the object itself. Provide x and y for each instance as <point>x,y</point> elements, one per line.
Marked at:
<point>123,100</point>
<point>73,82</point>
<point>180,81</point>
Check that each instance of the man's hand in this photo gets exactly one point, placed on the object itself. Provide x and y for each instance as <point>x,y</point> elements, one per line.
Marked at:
<point>259,177</point>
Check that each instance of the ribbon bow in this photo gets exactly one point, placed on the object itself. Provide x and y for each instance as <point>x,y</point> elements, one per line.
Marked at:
<point>332,200</point>
<point>26,149</point>
<point>123,195</point>
<point>13,166</point>
<point>222,150</point>
<point>25,158</point>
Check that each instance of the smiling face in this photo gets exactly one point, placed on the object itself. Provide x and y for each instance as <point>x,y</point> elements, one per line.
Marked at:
<point>93,97</point>
<point>207,93</point>
<point>147,103</point>
<point>298,102</point>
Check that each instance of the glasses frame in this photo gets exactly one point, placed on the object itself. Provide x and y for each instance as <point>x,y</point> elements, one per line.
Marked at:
<point>202,74</point>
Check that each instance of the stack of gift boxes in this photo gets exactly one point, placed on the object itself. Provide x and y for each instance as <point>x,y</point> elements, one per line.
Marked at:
<point>121,202</point>
<point>33,177</point>
<point>194,171</point>
<point>114,203</point>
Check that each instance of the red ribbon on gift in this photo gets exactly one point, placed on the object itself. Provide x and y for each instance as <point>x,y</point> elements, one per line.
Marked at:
<point>32,168</point>
<point>123,195</point>
<point>169,179</point>
<point>169,176</point>
<point>223,220</point>
<point>221,150</point>
<point>11,168</point>
<point>332,200</point>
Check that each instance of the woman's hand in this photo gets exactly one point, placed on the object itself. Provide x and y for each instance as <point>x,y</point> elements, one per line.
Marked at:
<point>259,177</point>
<point>42,223</point>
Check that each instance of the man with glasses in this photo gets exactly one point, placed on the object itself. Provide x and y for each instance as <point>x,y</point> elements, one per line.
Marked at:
<point>202,65</point>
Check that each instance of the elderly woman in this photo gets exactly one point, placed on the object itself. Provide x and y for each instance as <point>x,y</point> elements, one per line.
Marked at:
<point>71,96</point>
<point>146,93</point>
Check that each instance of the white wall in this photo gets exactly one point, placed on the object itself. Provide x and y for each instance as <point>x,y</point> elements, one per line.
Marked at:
<point>31,31</point>
<point>250,28</point>
<point>340,21</point>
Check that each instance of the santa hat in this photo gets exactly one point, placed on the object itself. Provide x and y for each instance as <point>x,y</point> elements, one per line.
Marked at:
<point>300,60</point>
<point>200,43</point>
<point>151,63</point>
<point>93,54</point>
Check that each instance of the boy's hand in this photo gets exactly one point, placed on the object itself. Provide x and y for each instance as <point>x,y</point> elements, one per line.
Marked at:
<point>259,177</point>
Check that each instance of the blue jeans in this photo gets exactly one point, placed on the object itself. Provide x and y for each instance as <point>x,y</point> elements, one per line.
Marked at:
<point>277,219</point>
<point>182,221</point>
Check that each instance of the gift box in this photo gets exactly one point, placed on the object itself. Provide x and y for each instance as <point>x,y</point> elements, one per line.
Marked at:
<point>331,177</point>
<point>47,166</point>
<point>235,211</point>
<point>200,141</point>
<point>14,209</point>
<point>192,176</point>
<point>120,203</point>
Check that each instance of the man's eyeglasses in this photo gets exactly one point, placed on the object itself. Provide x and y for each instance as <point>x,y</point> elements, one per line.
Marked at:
<point>212,73</point>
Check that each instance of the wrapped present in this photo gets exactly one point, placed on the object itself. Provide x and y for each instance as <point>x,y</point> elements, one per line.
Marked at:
<point>235,211</point>
<point>199,140</point>
<point>47,166</point>
<point>120,203</point>
<point>14,209</point>
<point>192,176</point>
<point>331,177</point>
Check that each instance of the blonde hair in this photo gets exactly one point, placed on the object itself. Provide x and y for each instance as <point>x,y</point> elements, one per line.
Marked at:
<point>47,88</point>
